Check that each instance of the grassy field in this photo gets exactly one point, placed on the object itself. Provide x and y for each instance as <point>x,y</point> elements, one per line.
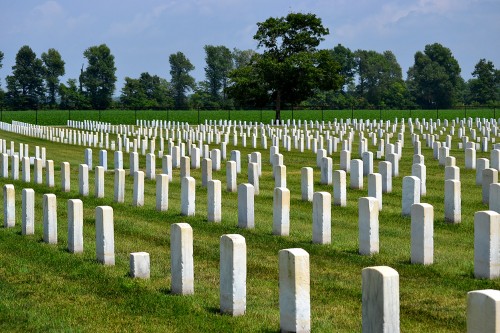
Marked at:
<point>45,288</point>
<point>59,117</point>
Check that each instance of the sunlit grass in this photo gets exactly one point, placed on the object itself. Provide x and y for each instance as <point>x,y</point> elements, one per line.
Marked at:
<point>45,288</point>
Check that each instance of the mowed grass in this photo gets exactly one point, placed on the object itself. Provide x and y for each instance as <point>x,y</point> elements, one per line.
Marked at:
<point>45,288</point>
<point>60,117</point>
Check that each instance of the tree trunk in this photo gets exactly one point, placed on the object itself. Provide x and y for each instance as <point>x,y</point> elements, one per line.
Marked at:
<point>278,105</point>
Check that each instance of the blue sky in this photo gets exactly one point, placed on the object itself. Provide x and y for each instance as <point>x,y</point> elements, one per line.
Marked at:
<point>143,33</point>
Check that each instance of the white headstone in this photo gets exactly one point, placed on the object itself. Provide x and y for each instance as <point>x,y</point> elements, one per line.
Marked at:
<point>422,234</point>
<point>233,274</point>
<point>294,290</point>
<point>368,226</point>
<point>322,218</point>
<point>181,259</point>
<point>105,235</point>
<point>75,226</point>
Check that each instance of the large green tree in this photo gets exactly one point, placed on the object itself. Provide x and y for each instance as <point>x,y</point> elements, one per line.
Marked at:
<point>181,81</point>
<point>345,57</point>
<point>54,68</point>
<point>484,87</point>
<point>146,92</point>
<point>98,79</point>
<point>242,57</point>
<point>434,80</point>
<point>72,98</point>
<point>25,88</point>
<point>380,79</point>
<point>290,68</point>
<point>219,62</point>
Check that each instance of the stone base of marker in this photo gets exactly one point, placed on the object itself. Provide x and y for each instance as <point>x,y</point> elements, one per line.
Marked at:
<point>139,265</point>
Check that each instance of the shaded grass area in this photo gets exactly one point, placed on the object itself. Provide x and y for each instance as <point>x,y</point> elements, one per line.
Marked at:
<point>45,288</point>
<point>60,117</point>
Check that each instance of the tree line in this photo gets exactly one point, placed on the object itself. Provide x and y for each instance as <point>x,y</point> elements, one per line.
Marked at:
<point>290,70</point>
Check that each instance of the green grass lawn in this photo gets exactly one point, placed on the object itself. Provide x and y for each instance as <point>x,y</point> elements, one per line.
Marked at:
<point>45,288</point>
<point>59,117</point>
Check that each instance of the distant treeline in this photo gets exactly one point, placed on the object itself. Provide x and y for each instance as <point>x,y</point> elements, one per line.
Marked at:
<point>287,74</point>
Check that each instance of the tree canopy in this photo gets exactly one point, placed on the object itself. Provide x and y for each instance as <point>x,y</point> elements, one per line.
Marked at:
<point>290,68</point>
<point>485,85</point>
<point>25,88</point>
<point>54,68</point>
<point>181,81</point>
<point>219,62</point>
<point>98,79</point>
<point>434,80</point>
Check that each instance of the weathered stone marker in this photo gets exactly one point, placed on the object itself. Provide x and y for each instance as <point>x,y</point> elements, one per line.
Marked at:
<point>495,197</point>
<point>307,184</point>
<point>385,169</point>
<point>162,192</point>
<point>380,299</point>
<point>231,176</point>
<point>28,211</point>
<point>322,218</point>
<point>181,259</point>
<point>65,177</point>
<point>452,201</point>
<point>483,311</point>
<point>119,186</point>
<point>339,188</point>
<point>486,245</point>
<point>356,174</point>
<point>422,234</point>
<point>75,226</point>
<point>411,194</point>
<point>206,171</point>
<point>105,235</point>
<point>214,201</point>
<point>83,179</point>
<point>138,191</point>
<point>375,188</point>
<point>99,182</point>
<point>281,211</point>
<point>368,226</point>
<point>246,199</point>
<point>9,206</point>
<point>233,274</point>
<point>188,195</point>
<point>49,218</point>
<point>294,294</point>
<point>139,265</point>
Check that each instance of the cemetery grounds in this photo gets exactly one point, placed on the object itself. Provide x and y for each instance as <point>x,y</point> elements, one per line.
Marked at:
<point>45,288</point>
